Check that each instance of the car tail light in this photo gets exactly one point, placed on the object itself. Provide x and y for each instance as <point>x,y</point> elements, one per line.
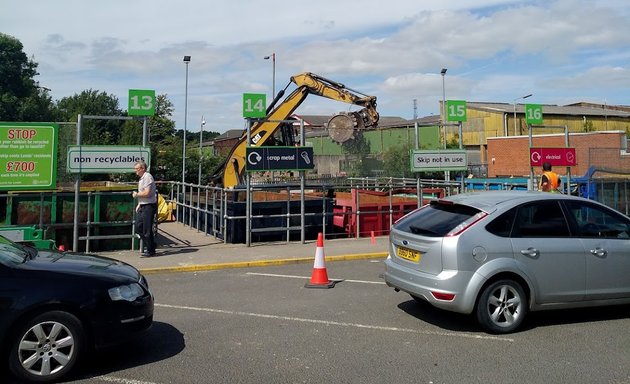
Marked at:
<point>466,224</point>
<point>443,296</point>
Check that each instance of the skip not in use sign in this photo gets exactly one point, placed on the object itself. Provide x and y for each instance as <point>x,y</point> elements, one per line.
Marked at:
<point>431,161</point>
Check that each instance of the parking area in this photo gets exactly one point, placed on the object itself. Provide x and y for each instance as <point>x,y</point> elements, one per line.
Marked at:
<point>253,325</point>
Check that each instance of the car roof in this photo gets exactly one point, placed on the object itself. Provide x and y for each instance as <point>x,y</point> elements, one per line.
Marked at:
<point>489,201</point>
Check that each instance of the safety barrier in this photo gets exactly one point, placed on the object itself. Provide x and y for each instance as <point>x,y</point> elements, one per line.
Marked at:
<point>341,207</point>
<point>45,219</point>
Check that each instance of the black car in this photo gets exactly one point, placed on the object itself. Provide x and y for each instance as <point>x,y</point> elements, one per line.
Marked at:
<point>56,306</point>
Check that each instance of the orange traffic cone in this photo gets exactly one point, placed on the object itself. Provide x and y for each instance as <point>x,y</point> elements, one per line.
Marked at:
<point>319,277</point>
<point>373,241</point>
<point>62,248</point>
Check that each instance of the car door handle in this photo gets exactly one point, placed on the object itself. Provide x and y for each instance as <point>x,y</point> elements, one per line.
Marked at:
<point>599,252</point>
<point>531,252</point>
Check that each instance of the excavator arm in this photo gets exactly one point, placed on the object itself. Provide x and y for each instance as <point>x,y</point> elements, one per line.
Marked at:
<point>341,126</point>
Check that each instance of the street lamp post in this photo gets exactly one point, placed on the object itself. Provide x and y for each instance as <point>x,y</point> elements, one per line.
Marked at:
<point>447,174</point>
<point>186,61</point>
<point>443,72</point>
<point>515,100</point>
<point>273,84</point>
<point>203,122</point>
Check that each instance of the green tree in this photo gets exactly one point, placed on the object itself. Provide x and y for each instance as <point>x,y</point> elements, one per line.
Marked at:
<point>357,151</point>
<point>93,132</point>
<point>21,97</point>
<point>209,162</point>
<point>160,126</point>
<point>453,142</point>
<point>588,126</point>
<point>95,103</point>
<point>396,161</point>
<point>165,146</point>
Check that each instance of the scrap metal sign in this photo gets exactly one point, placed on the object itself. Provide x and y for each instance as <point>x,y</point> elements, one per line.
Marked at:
<point>279,159</point>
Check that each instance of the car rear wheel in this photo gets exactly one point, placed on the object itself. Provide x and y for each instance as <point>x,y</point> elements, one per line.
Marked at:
<point>502,306</point>
<point>46,347</point>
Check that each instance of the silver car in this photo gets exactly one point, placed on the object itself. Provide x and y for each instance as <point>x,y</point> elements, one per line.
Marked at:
<point>500,254</point>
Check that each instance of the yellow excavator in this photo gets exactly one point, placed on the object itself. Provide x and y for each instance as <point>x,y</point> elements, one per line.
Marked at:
<point>276,129</point>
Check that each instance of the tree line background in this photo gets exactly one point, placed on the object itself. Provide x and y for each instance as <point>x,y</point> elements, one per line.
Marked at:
<point>23,99</point>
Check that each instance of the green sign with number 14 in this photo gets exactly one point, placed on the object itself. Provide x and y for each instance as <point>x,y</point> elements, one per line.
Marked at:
<point>254,105</point>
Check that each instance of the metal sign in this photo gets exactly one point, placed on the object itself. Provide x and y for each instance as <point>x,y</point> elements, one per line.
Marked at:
<point>254,105</point>
<point>456,110</point>
<point>28,156</point>
<point>106,159</point>
<point>141,102</point>
<point>279,159</point>
<point>533,114</point>
<point>564,157</point>
<point>444,160</point>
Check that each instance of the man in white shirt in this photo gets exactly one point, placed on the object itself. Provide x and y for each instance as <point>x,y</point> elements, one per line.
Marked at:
<point>146,208</point>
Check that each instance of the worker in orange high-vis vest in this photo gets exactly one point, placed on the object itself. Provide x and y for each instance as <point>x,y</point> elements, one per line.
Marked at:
<point>550,181</point>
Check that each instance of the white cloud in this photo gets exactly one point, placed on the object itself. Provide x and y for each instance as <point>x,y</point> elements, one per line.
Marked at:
<point>494,50</point>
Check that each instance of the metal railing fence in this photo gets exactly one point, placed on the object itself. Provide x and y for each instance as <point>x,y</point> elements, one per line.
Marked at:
<point>286,211</point>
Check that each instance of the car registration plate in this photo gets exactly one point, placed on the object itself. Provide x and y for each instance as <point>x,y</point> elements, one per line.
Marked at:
<point>408,254</point>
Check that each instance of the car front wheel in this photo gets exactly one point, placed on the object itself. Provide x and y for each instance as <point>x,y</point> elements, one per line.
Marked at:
<point>46,347</point>
<point>502,306</point>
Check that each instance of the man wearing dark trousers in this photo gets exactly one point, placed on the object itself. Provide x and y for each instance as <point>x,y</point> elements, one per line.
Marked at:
<point>146,208</point>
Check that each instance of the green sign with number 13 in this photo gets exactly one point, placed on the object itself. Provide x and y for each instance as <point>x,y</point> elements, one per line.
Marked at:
<point>141,102</point>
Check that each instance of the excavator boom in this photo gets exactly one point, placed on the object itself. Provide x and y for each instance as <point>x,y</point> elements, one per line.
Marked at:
<point>341,126</point>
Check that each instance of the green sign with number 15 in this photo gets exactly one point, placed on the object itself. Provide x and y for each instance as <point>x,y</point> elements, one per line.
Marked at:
<point>456,110</point>
<point>141,102</point>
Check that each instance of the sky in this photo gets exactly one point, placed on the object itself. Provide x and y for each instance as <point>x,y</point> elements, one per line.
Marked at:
<point>560,51</point>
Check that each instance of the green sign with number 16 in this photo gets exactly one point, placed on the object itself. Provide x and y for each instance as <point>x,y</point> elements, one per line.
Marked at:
<point>533,114</point>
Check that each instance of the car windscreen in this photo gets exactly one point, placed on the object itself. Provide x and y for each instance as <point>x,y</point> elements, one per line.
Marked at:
<point>436,219</point>
<point>11,253</point>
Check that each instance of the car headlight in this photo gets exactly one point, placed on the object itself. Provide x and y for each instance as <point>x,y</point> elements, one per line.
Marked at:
<point>126,292</point>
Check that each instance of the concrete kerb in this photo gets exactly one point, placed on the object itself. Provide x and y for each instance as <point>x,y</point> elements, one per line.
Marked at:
<point>260,263</point>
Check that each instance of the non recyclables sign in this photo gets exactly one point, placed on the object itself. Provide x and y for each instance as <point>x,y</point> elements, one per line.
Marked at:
<point>279,158</point>
<point>106,159</point>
